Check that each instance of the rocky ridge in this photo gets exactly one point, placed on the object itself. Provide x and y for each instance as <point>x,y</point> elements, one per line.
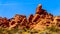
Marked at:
<point>39,21</point>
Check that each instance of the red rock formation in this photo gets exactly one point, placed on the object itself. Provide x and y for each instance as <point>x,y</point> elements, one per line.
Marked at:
<point>40,11</point>
<point>30,18</point>
<point>39,21</point>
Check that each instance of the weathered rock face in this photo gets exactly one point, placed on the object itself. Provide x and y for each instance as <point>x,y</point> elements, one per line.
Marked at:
<point>30,18</point>
<point>40,11</point>
<point>43,19</point>
<point>39,21</point>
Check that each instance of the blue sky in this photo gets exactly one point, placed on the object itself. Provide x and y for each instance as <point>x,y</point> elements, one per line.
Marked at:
<point>8,8</point>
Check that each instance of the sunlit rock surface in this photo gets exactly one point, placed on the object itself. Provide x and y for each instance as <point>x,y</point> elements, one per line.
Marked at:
<point>39,21</point>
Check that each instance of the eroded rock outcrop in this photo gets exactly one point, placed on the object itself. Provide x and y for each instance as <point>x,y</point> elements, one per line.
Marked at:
<point>39,21</point>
